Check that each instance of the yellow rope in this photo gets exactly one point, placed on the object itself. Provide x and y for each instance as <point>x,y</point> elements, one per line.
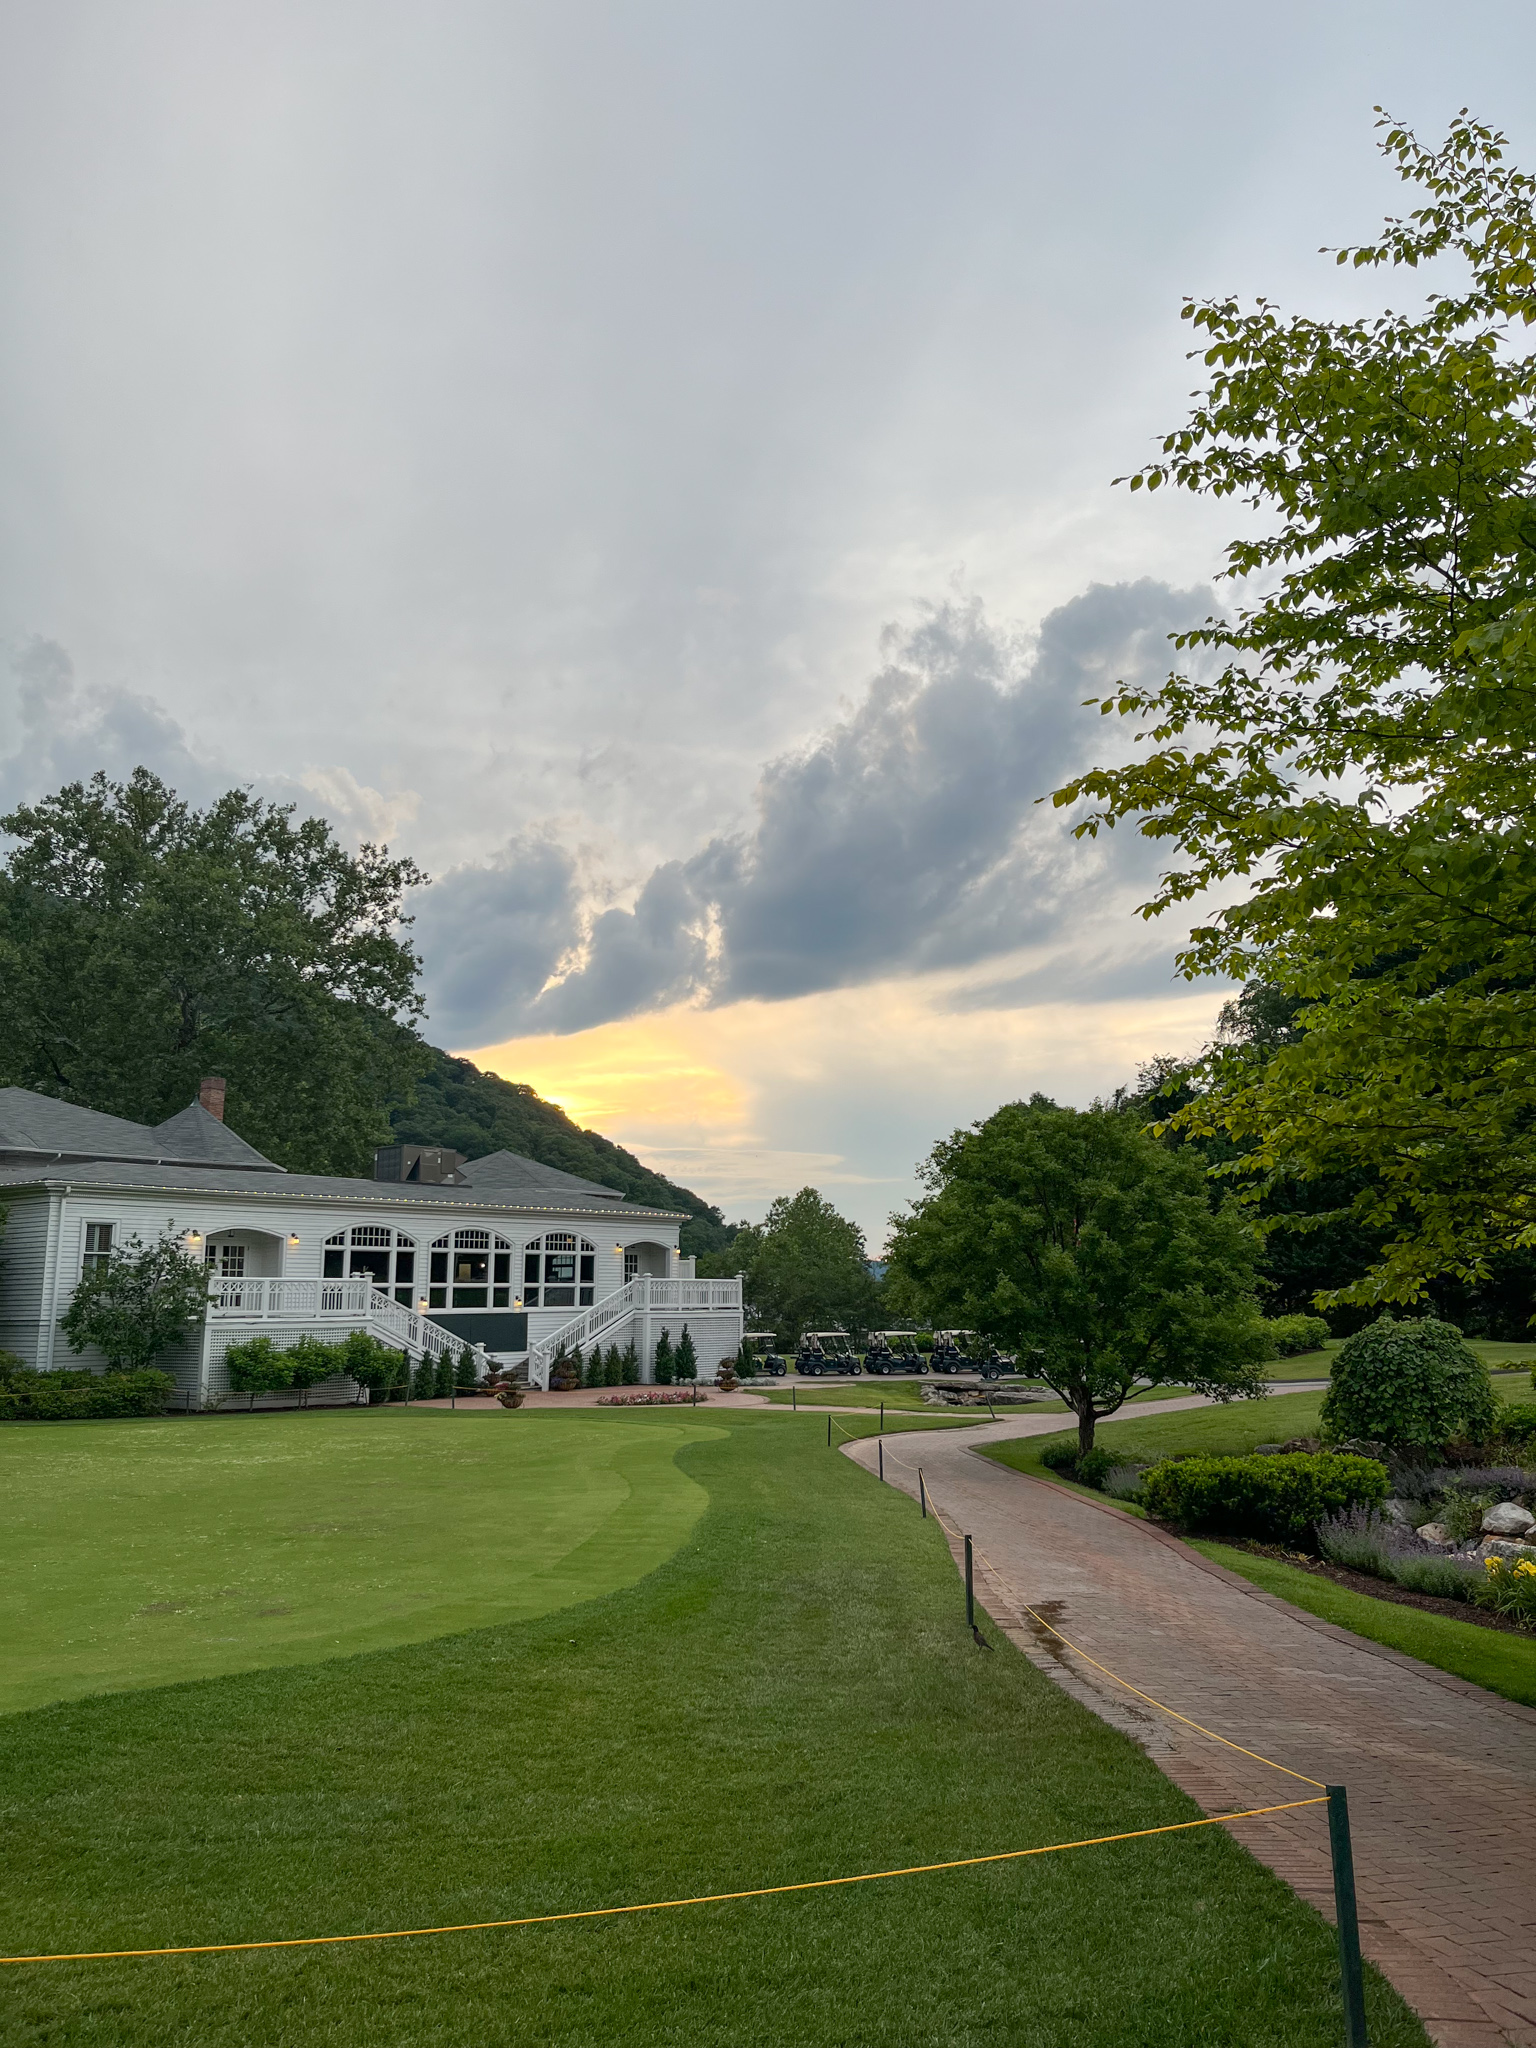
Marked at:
<point>768,1891</point>
<point>1078,1651</point>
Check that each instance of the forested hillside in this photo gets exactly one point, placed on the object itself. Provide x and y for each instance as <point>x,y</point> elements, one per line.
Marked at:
<point>474,1113</point>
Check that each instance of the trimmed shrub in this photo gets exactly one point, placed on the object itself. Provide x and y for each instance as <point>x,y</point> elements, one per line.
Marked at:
<point>664,1364</point>
<point>629,1366</point>
<point>1275,1499</point>
<point>596,1374</point>
<point>613,1368</point>
<point>372,1364</point>
<point>685,1363</point>
<point>258,1367</point>
<point>1414,1386</point>
<point>1059,1457</point>
<point>1291,1335</point>
<point>1093,1467</point>
<point>465,1375</point>
<point>424,1380</point>
<point>312,1360</point>
<point>78,1394</point>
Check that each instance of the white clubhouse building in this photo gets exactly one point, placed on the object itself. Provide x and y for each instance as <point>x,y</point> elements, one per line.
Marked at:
<point>500,1253</point>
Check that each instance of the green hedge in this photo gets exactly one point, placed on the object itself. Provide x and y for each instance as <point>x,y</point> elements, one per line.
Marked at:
<point>1274,1499</point>
<point>1413,1386</point>
<point>27,1396</point>
<point>1291,1335</point>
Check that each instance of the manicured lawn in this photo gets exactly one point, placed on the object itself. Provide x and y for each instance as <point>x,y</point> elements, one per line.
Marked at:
<point>145,1552</point>
<point>1504,1663</point>
<point>790,1693</point>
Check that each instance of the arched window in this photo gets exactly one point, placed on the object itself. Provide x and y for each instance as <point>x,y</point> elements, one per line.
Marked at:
<point>470,1269</point>
<point>376,1252</point>
<point>559,1271</point>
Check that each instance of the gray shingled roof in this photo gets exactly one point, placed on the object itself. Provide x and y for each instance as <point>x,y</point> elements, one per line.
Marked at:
<point>293,1188</point>
<point>39,1123</point>
<point>194,1134</point>
<point>511,1173</point>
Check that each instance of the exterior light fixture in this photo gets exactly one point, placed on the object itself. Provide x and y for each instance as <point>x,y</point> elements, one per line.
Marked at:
<point>293,1240</point>
<point>421,1306</point>
<point>517,1301</point>
<point>194,1237</point>
<point>619,1250</point>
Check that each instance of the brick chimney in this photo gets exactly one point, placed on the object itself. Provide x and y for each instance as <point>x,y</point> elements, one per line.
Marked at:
<point>211,1095</point>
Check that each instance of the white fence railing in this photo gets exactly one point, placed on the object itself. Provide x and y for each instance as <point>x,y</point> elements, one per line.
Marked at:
<point>356,1303</point>
<point>637,1297</point>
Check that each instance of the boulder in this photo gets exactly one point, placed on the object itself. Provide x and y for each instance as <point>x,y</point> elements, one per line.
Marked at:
<point>1397,1511</point>
<point>1508,1519</point>
<point>1504,1546</point>
<point>1267,1450</point>
<point>1433,1532</point>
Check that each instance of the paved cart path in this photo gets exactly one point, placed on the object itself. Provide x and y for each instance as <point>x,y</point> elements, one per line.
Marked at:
<point>1441,1774</point>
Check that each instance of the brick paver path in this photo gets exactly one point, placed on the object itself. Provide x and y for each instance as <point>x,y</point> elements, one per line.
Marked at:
<point>1441,1774</point>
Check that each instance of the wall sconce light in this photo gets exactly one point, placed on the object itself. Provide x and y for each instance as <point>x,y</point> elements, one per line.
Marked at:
<point>194,1238</point>
<point>421,1306</point>
<point>517,1301</point>
<point>619,1249</point>
<point>293,1240</point>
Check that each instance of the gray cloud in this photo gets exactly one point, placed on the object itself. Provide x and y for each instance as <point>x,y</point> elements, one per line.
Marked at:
<point>53,730</point>
<point>906,838</point>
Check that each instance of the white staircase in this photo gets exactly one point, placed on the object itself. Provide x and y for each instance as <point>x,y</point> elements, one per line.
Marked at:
<point>631,1312</point>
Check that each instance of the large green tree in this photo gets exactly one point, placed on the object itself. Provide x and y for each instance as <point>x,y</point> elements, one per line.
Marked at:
<point>145,943</point>
<point>1351,747</point>
<point>805,1266</point>
<point>1074,1239</point>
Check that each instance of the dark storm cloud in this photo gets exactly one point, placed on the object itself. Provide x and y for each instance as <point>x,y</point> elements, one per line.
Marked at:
<point>906,838</point>
<point>492,936</point>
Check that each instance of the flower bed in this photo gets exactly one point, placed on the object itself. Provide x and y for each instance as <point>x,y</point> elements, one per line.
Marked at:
<point>652,1397</point>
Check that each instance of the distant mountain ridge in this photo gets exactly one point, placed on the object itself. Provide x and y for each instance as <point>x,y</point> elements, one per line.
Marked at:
<point>460,1106</point>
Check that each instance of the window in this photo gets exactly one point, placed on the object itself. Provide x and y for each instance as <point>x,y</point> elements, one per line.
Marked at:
<point>482,1269</point>
<point>372,1251</point>
<point>98,1245</point>
<point>631,1267</point>
<point>227,1260</point>
<point>559,1273</point>
<point>437,1291</point>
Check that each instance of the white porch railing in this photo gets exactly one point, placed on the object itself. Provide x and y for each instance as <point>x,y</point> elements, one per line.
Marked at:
<point>357,1304</point>
<point>636,1297</point>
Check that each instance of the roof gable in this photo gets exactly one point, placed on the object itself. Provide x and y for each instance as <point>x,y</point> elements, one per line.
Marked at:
<point>513,1173</point>
<point>194,1135</point>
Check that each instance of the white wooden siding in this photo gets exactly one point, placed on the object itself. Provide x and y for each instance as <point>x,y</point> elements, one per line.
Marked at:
<point>23,1261</point>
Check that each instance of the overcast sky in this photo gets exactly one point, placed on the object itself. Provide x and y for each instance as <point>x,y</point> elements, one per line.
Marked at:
<point>652,463</point>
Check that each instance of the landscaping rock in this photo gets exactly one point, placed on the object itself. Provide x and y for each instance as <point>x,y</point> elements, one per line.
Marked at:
<point>1267,1450</point>
<point>1504,1546</point>
<point>1397,1511</point>
<point>1433,1532</point>
<point>1508,1519</point>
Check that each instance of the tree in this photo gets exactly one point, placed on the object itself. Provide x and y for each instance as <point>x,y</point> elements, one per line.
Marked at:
<point>1074,1239</point>
<point>465,1376</point>
<point>805,1266</point>
<point>1357,745</point>
<point>629,1366</point>
<point>1413,1386</point>
<point>144,944</point>
<point>685,1364</point>
<point>137,1302</point>
<point>663,1367</point>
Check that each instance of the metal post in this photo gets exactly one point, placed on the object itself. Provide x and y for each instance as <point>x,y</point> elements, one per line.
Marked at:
<point>990,1409</point>
<point>970,1589</point>
<point>1351,1980</point>
<point>882,1418</point>
<point>453,1385</point>
<point>829,1429</point>
<point>794,1400</point>
<point>880,1446</point>
<point>922,1493</point>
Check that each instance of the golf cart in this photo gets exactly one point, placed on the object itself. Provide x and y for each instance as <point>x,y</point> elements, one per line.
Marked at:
<point>826,1351</point>
<point>762,1345</point>
<point>892,1351</point>
<point>963,1351</point>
